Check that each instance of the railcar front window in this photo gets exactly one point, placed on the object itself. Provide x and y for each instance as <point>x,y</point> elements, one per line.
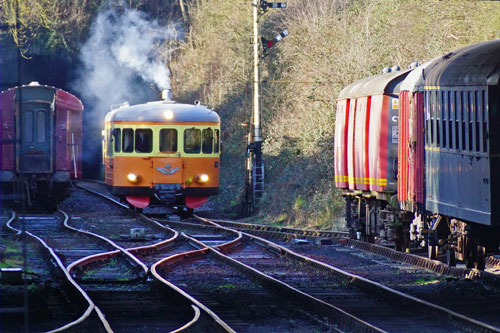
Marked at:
<point>117,139</point>
<point>216,141</point>
<point>143,140</point>
<point>207,141</point>
<point>128,140</point>
<point>28,126</point>
<point>40,123</point>
<point>192,141</point>
<point>168,140</point>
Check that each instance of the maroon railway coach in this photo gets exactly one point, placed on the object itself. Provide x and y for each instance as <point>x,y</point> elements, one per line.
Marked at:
<point>41,144</point>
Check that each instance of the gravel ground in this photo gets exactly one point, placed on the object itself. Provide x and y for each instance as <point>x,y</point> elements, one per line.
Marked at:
<point>462,295</point>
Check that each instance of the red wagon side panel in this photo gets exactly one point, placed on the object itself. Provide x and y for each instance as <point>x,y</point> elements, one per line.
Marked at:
<point>7,130</point>
<point>350,145</point>
<point>378,142</point>
<point>69,133</point>
<point>61,143</point>
<point>361,170</point>
<point>404,146</point>
<point>341,125</point>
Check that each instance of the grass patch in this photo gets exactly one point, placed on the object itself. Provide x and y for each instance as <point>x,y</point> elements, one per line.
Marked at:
<point>424,282</point>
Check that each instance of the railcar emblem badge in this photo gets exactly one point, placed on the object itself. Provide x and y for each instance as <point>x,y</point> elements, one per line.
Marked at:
<point>167,170</point>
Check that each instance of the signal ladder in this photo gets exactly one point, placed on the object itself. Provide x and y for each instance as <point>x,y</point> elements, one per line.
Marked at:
<point>257,182</point>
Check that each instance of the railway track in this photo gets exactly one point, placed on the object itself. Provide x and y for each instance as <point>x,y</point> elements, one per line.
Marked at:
<point>284,234</point>
<point>327,280</point>
<point>113,281</point>
<point>205,237</point>
<point>146,304</point>
<point>442,318</point>
<point>64,305</point>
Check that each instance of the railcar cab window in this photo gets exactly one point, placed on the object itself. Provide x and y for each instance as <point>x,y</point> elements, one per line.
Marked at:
<point>143,140</point>
<point>128,140</point>
<point>192,141</point>
<point>116,138</point>
<point>208,139</point>
<point>168,140</point>
<point>217,141</point>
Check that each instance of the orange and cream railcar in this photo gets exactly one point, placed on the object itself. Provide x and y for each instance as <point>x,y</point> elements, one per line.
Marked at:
<point>162,152</point>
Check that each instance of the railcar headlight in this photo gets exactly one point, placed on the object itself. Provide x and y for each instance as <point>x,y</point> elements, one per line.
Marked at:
<point>202,179</point>
<point>133,178</point>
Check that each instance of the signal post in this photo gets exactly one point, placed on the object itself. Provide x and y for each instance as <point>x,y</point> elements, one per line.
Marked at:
<point>254,167</point>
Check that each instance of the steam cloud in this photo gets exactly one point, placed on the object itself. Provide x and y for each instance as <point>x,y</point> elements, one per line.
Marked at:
<point>120,61</point>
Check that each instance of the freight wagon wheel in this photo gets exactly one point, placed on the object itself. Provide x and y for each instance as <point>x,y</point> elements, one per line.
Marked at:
<point>469,254</point>
<point>450,257</point>
<point>432,248</point>
<point>432,251</point>
<point>480,258</point>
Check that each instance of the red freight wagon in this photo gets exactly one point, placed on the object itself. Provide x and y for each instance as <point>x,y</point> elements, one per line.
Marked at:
<point>366,149</point>
<point>366,134</point>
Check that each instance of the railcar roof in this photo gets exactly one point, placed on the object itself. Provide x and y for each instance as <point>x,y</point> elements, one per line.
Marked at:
<point>372,85</point>
<point>477,64</point>
<point>155,112</point>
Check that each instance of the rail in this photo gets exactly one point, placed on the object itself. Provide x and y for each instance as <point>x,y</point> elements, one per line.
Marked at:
<point>91,306</point>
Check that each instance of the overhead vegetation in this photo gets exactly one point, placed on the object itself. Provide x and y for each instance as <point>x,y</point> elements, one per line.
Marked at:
<point>52,26</point>
<point>47,24</point>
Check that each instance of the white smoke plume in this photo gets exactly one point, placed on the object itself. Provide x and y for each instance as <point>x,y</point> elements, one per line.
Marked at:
<point>120,59</point>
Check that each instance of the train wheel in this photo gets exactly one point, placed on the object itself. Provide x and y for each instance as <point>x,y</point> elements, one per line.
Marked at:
<point>432,251</point>
<point>469,254</point>
<point>450,257</point>
<point>480,258</point>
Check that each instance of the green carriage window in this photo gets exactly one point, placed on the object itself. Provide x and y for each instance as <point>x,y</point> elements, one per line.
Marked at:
<point>207,141</point>
<point>477,122</point>
<point>40,124</point>
<point>450,120</point>
<point>168,140</point>
<point>484,110</point>
<point>462,120</point>
<point>444,118</point>
<point>456,110</point>
<point>470,115</point>
<point>28,126</point>
<point>437,109</point>
<point>192,141</point>
<point>128,140</point>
